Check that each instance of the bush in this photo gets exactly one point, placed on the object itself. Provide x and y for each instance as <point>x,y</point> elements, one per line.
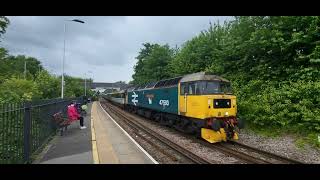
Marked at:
<point>18,90</point>
<point>292,104</point>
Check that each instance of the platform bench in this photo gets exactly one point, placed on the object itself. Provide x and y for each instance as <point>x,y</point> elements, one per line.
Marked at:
<point>61,122</point>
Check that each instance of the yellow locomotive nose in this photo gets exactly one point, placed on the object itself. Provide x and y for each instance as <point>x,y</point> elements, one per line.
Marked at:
<point>216,136</point>
<point>213,136</point>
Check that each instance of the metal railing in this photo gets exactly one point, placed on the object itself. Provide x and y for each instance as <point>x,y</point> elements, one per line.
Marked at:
<point>26,127</point>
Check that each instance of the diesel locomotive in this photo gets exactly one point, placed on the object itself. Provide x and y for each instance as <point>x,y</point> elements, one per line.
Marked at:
<point>199,103</point>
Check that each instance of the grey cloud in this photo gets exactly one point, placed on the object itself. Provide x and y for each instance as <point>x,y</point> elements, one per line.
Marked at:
<point>103,44</point>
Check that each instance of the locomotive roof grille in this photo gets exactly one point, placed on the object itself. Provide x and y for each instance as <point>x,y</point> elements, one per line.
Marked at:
<point>168,82</point>
<point>186,78</point>
<point>151,85</point>
<point>202,76</point>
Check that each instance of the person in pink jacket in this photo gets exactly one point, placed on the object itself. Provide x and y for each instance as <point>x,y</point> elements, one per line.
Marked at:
<point>73,115</point>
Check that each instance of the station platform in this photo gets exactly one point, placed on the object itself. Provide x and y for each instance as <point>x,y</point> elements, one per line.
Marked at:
<point>102,142</point>
<point>114,145</point>
<point>74,147</point>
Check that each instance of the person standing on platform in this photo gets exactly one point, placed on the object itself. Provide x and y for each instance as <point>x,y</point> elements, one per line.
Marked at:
<point>73,115</point>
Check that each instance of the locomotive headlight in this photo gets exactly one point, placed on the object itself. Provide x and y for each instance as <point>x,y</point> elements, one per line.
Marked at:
<point>227,113</point>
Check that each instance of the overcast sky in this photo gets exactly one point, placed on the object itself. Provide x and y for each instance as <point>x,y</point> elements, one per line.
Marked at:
<point>105,45</point>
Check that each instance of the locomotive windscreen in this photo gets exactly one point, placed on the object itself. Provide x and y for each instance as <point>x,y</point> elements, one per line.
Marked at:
<point>205,88</point>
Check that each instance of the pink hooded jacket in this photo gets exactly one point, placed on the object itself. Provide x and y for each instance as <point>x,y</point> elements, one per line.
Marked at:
<point>73,113</point>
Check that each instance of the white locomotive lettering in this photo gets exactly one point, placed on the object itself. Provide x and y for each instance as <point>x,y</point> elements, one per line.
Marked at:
<point>134,100</point>
<point>164,102</point>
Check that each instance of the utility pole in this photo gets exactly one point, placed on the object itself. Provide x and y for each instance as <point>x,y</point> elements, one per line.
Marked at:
<point>64,54</point>
<point>85,86</point>
<point>85,82</point>
<point>25,69</point>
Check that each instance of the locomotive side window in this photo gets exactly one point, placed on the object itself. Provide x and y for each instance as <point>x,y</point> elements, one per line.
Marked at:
<point>192,88</point>
<point>183,88</point>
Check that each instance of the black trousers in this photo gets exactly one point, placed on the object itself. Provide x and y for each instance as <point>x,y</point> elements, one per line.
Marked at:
<point>81,121</point>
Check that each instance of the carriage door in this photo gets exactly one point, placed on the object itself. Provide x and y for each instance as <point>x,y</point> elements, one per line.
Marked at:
<point>183,98</point>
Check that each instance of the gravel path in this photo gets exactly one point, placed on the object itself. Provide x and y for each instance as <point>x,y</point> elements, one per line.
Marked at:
<point>284,146</point>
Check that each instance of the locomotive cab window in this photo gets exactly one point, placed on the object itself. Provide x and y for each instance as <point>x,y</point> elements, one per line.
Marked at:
<point>214,87</point>
<point>183,89</point>
<point>192,88</point>
<point>205,88</point>
<point>188,88</point>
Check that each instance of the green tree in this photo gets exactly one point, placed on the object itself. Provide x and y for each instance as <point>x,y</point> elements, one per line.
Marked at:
<point>4,22</point>
<point>49,85</point>
<point>14,66</point>
<point>152,63</point>
<point>74,86</point>
<point>4,67</point>
<point>18,90</point>
<point>201,52</point>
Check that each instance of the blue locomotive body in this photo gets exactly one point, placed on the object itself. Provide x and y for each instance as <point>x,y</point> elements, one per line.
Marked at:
<point>160,99</point>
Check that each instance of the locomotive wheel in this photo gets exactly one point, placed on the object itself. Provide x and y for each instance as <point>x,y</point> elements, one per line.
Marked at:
<point>157,117</point>
<point>171,122</point>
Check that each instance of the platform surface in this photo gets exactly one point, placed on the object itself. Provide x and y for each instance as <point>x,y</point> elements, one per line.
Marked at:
<point>113,145</point>
<point>103,142</point>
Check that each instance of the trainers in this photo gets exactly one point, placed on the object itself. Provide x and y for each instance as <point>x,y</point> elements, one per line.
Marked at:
<point>83,127</point>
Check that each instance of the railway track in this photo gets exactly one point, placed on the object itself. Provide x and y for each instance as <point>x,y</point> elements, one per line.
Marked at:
<point>235,149</point>
<point>270,158</point>
<point>249,154</point>
<point>150,136</point>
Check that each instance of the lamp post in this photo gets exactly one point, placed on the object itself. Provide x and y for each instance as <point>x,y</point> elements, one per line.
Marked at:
<point>25,69</point>
<point>85,83</point>
<point>64,54</point>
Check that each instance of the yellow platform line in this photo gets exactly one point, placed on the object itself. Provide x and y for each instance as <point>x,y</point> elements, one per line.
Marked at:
<point>94,142</point>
